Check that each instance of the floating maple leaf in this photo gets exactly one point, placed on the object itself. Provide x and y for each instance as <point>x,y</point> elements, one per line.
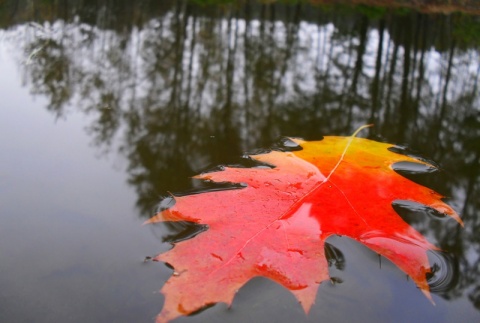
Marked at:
<point>277,225</point>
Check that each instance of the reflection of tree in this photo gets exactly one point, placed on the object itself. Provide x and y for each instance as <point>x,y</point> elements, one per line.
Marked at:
<point>193,87</point>
<point>50,73</point>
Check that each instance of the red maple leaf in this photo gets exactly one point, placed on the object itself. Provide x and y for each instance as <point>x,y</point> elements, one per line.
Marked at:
<point>276,226</point>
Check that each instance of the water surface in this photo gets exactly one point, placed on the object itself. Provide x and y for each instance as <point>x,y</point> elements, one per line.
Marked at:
<point>107,107</point>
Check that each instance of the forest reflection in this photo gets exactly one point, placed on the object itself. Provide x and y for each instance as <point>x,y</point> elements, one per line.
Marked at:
<point>177,88</point>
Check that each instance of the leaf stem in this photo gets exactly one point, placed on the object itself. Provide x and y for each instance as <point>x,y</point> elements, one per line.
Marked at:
<point>345,150</point>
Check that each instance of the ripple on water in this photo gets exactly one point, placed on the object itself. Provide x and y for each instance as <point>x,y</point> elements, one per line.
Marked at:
<point>444,275</point>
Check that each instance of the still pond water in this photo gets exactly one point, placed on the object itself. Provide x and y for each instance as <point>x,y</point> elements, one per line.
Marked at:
<point>106,107</point>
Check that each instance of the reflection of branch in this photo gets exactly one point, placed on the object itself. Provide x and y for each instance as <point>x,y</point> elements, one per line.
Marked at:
<point>34,53</point>
<point>44,35</point>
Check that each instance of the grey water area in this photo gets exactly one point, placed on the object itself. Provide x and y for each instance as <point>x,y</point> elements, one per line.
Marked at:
<point>105,107</point>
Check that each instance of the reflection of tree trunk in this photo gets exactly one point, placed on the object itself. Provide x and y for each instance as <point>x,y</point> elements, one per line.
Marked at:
<point>416,41</point>
<point>473,94</point>
<point>291,42</point>
<point>180,30</point>
<point>376,79</point>
<point>472,181</point>
<point>206,58</point>
<point>263,13</point>
<point>392,71</point>
<point>271,64</point>
<point>357,71</point>
<point>404,106</point>
<point>421,68</point>
<point>320,49</point>
<point>321,75</point>
<point>190,62</point>
<point>248,59</point>
<point>330,60</point>
<point>360,52</point>
<point>230,134</point>
<point>475,82</point>
<point>447,81</point>
<point>344,96</point>
<point>441,114</point>
<point>230,64</point>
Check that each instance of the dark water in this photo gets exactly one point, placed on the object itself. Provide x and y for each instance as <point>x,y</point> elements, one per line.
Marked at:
<point>106,106</point>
